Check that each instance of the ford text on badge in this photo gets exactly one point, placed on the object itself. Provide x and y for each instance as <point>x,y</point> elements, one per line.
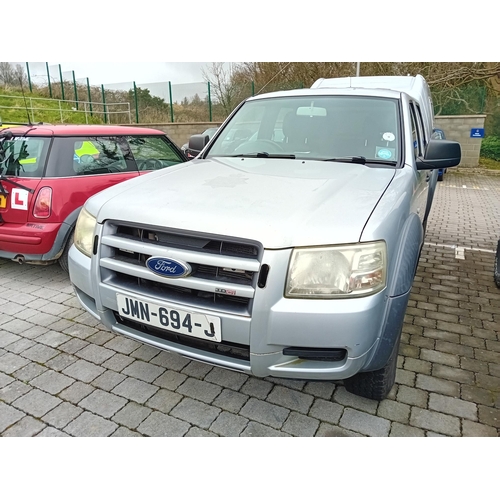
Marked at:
<point>169,268</point>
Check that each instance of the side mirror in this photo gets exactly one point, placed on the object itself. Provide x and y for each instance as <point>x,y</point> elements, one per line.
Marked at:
<point>440,154</point>
<point>197,143</point>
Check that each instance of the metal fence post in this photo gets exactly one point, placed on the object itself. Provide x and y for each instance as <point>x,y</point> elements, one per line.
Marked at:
<point>32,112</point>
<point>129,114</point>
<point>209,103</point>
<point>29,76</point>
<point>75,89</point>
<point>104,104</point>
<point>62,83</point>
<point>171,103</point>
<point>48,79</point>
<point>253,88</point>
<point>90,97</point>
<point>136,105</point>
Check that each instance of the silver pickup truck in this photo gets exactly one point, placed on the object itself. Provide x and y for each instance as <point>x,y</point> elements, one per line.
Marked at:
<point>287,247</point>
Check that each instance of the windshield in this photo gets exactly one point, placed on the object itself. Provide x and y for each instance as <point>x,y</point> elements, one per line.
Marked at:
<point>23,156</point>
<point>319,127</point>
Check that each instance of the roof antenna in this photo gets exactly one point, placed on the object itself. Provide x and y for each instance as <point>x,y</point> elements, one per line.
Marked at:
<point>25,105</point>
<point>280,71</point>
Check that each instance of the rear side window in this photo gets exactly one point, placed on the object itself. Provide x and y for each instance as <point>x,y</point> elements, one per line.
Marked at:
<point>153,152</point>
<point>77,156</point>
<point>417,133</point>
<point>23,156</point>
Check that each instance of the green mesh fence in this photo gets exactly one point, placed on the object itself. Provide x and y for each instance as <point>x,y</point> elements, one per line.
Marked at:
<point>164,102</point>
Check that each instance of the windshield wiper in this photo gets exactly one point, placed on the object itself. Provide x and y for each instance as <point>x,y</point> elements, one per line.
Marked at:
<point>349,159</point>
<point>6,179</point>
<point>362,160</point>
<point>264,154</point>
<point>382,162</point>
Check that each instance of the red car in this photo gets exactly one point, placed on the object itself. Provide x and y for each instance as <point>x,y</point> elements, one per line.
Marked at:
<point>47,172</point>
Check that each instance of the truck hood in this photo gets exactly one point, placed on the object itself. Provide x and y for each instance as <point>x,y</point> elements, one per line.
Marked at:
<point>278,202</point>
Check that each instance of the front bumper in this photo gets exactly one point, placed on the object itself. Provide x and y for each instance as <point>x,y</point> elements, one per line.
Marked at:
<point>276,323</point>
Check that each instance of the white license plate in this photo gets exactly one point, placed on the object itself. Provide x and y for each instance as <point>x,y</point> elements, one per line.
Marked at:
<point>174,320</point>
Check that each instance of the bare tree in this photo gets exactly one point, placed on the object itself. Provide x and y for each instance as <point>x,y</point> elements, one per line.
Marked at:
<point>438,74</point>
<point>225,88</point>
<point>495,79</point>
<point>271,75</point>
<point>12,74</point>
<point>6,73</point>
<point>467,86</point>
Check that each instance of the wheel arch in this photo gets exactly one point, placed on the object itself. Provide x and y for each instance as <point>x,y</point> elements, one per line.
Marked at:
<point>398,291</point>
<point>63,234</point>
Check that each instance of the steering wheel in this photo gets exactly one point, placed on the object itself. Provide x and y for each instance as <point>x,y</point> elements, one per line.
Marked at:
<point>151,164</point>
<point>259,146</point>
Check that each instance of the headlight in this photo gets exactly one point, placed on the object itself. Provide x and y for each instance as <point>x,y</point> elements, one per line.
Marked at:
<point>84,232</point>
<point>337,271</point>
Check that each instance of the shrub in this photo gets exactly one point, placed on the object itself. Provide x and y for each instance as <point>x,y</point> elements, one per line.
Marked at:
<point>490,147</point>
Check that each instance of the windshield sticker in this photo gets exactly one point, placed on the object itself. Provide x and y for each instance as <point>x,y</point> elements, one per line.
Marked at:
<point>388,136</point>
<point>385,153</point>
<point>19,199</point>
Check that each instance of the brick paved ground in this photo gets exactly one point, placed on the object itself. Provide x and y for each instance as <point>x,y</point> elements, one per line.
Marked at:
<point>62,374</point>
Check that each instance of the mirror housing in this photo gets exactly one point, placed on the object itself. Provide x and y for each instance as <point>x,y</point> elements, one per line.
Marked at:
<point>196,143</point>
<point>440,154</point>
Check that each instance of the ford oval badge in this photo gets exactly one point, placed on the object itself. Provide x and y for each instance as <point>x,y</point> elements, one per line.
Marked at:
<point>168,268</point>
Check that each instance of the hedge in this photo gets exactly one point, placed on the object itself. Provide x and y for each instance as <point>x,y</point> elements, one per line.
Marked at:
<point>490,148</point>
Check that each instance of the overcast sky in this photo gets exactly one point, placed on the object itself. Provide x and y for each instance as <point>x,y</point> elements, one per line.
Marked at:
<point>116,72</point>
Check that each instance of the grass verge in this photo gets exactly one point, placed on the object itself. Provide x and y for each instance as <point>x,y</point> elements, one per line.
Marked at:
<point>489,164</point>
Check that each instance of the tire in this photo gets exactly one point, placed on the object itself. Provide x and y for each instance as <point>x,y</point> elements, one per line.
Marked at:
<point>496,270</point>
<point>377,384</point>
<point>63,259</point>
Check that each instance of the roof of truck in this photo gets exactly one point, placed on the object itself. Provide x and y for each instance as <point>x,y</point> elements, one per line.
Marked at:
<point>414,86</point>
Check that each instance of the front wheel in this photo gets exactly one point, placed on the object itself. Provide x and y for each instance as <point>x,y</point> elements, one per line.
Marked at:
<point>377,384</point>
<point>63,259</point>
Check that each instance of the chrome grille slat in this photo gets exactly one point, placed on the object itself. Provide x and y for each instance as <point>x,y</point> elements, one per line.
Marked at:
<point>186,241</point>
<point>192,283</point>
<point>186,298</point>
<point>185,255</point>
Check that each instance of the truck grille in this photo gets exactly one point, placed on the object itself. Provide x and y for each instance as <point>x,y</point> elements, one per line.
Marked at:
<point>224,271</point>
